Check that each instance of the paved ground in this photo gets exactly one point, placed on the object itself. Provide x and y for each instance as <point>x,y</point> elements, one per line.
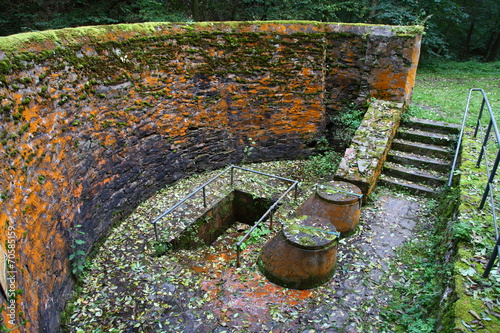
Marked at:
<point>242,300</point>
<point>201,291</point>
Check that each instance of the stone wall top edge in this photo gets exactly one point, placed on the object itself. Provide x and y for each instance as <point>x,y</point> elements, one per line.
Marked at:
<point>49,39</point>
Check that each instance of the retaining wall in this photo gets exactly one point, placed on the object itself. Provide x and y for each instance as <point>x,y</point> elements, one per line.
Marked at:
<point>96,119</point>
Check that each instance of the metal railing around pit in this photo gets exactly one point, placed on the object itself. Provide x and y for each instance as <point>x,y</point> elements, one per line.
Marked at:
<point>269,213</point>
<point>491,134</point>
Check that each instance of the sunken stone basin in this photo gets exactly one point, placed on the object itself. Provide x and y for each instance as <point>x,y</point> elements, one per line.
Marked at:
<point>302,255</point>
<point>237,206</point>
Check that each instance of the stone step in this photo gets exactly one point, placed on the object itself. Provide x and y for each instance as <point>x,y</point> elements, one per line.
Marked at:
<point>420,157</point>
<point>414,175</point>
<point>418,135</point>
<point>416,189</point>
<point>432,126</point>
<point>419,161</point>
<point>424,149</point>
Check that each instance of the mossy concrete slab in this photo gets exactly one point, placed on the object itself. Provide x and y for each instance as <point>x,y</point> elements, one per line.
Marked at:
<point>363,160</point>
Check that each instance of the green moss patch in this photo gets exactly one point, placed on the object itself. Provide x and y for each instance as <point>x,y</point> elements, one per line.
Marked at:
<point>477,308</point>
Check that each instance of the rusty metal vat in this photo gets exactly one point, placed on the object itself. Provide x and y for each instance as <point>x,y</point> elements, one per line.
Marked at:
<point>302,255</point>
<point>338,202</point>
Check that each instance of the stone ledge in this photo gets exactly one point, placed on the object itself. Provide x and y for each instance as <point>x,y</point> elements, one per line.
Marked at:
<point>363,160</point>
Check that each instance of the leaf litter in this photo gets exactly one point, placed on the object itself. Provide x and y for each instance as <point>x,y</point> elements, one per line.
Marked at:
<point>127,289</point>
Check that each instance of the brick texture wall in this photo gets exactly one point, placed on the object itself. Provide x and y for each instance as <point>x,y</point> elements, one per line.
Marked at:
<point>94,120</point>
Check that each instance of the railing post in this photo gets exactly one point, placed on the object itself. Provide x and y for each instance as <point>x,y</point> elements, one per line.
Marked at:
<point>485,142</point>
<point>479,116</point>
<point>232,176</point>
<point>490,180</point>
<point>271,220</point>
<point>492,259</point>
<point>238,251</point>
<point>460,137</point>
<point>156,233</point>
<point>204,198</point>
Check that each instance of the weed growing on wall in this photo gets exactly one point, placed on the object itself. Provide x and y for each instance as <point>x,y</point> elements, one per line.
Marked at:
<point>77,258</point>
<point>344,124</point>
<point>351,117</point>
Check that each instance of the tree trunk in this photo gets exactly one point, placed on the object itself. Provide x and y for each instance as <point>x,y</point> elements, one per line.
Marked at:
<point>468,39</point>
<point>493,48</point>
<point>373,11</point>
<point>195,10</point>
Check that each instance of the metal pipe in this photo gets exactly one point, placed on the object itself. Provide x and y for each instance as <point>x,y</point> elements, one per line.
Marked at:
<point>294,185</point>
<point>491,177</point>
<point>188,197</point>
<point>478,122</point>
<point>238,251</point>
<point>232,175</point>
<point>492,259</point>
<point>204,197</point>
<point>489,189</point>
<point>156,232</point>
<point>265,215</point>
<point>265,174</point>
<point>483,145</point>
<point>460,137</point>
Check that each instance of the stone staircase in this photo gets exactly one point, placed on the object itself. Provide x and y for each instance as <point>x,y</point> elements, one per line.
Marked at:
<point>420,157</point>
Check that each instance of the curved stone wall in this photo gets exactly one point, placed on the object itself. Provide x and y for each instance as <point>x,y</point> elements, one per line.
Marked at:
<point>96,119</point>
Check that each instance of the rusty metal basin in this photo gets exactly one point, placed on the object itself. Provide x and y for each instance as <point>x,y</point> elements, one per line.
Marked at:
<point>338,202</point>
<point>302,255</point>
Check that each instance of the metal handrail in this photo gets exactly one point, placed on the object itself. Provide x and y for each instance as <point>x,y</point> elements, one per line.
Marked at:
<point>491,173</point>
<point>189,196</point>
<point>269,213</point>
<point>231,168</point>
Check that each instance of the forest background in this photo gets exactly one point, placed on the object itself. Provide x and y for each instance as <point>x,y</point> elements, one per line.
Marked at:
<point>455,29</point>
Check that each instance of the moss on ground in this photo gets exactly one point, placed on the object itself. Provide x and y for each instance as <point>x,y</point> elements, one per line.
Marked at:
<point>476,308</point>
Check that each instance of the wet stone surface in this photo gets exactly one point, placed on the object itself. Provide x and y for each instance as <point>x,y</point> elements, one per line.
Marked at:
<point>310,232</point>
<point>129,290</point>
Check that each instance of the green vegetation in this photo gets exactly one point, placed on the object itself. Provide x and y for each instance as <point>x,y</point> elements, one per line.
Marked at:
<point>441,89</point>
<point>256,236</point>
<point>477,307</point>
<point>441,93</point>
<point>454,29</point>
<point>425,274</point>
<point>324,164</point>
<point>77,257</point>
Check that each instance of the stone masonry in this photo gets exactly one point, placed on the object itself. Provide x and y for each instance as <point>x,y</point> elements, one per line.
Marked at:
<point>94,120</point>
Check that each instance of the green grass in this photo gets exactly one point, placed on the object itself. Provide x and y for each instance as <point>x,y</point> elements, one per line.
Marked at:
<point>441,89</point>
<point>440,93</point>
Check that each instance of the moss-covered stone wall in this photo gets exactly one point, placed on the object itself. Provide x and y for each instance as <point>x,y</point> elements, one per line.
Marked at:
<point>94,120</point>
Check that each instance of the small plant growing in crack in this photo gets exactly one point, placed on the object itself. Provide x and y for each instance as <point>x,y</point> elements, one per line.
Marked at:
<point>77,258</point>
<point>255,236</point>
<point>137,267</point>
<point>248,149</point>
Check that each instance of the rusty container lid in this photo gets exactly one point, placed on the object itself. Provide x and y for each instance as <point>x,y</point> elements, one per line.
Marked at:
<point>338,192</point>
<point>310,232</point>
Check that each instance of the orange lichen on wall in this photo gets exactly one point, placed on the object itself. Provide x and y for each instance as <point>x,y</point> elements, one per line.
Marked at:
<point>96,119</point>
